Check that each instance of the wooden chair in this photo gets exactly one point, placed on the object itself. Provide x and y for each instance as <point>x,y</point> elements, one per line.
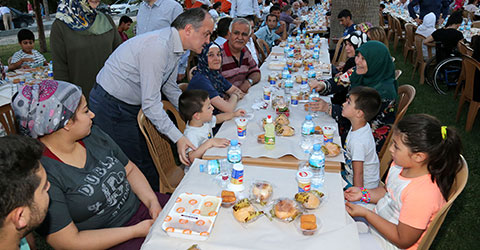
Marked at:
<point>262,50</point>
<point>399,33</point>
<point>381,21</point>
<point>7,119</point>
<point>406,94</point>
<point>471,65</point>
<point>457,187</point>
<point>419,60</point>
<point>398,73</point>
<point>409,45</point>
<point>162,154</point>
<point>340,54</point>
<point>464,49</point>
<point>391,27</point>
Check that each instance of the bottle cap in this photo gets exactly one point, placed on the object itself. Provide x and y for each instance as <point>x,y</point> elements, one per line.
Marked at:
<point>316,147</point>
<point>269,119</point>
<point>234,142</point>
<point>308,117</point>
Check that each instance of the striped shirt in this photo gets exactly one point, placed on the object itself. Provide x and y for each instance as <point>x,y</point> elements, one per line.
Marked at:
<point>38,59</point>
<point>236,72</point>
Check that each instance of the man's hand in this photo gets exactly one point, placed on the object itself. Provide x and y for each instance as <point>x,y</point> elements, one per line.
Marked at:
<point>245,86</point>
<point>419,21</point>
<point>182,145</point>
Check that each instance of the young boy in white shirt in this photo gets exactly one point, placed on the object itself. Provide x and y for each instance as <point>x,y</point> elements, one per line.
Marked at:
<point>197,111</point>
<point>27,57</point>
<point>361,165</point>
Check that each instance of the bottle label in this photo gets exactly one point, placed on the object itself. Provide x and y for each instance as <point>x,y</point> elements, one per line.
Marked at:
<point>213,167</point>
<point>237,177</point>
<point>304,187</point>
<point>316,163</point>
<point>270,140</point>
<point>307,130</point>
<point>234,158</point>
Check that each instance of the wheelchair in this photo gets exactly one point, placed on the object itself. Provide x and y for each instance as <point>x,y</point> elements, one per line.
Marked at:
<point>443,70</point>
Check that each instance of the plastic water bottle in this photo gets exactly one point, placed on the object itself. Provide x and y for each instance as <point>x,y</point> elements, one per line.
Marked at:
<point>308,128</point>
<point>234,153</point>
<point>317,166</point>
<point>285,72</point>
<point>314,94</point>
<point>316,52</point>
<point>269,133</point>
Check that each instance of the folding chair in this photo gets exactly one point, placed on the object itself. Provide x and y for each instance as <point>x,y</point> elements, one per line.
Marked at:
<point>7,119</point>
<point>457,187</point>
<point>161,152</point>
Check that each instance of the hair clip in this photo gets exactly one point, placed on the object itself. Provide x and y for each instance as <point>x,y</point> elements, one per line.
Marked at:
<point>444,132</point>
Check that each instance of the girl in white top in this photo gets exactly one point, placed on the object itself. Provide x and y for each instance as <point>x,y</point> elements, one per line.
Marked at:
<point>426,159</point>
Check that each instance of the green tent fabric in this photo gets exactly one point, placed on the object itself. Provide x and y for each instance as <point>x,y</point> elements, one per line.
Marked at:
<point>381,70</point>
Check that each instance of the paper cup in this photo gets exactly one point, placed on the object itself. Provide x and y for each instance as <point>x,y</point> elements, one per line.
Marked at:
<point>328,132</point>
<point>304,179</point>
<point>241,127</point>
<point>267,93</point>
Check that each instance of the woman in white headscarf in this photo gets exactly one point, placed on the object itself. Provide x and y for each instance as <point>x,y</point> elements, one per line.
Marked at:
<point>426,29</point>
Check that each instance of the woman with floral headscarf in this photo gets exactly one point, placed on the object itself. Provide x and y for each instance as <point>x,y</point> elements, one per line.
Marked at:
<point>374,68</point>
<point>99,199</point>
<point>223,95</point>
<point>81,40</point>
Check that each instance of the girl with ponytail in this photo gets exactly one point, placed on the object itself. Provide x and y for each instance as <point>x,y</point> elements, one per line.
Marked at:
<point>426,159</point>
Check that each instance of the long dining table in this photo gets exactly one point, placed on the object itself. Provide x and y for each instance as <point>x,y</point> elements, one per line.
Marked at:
<point>287,152</point>
<point>336,229</point>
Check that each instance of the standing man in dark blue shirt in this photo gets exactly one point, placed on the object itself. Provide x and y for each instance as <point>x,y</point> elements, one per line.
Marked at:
<point>439,7</point>
<point>345,19</point>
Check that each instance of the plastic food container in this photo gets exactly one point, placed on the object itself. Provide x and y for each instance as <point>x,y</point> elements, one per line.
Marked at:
<point>244,212</point>
<point>307,232</point>
<point>261,192</point>
<point>311,200</point>
<point>192,216</point>
<point>285,210</point>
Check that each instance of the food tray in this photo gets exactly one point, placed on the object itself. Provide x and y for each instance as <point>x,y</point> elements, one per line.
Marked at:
<point>192,216</point>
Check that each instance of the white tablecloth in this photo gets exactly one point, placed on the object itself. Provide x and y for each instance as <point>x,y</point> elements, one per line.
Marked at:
<point>283,145</point>
<point>338,231</point>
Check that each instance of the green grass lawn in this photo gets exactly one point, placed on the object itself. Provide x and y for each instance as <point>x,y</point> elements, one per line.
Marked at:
<point>463,221</point>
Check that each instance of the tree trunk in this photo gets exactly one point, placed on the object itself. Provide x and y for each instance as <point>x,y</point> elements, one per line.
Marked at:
<point>41,30</point>
<point>362,11</point>
<point>47,13</point>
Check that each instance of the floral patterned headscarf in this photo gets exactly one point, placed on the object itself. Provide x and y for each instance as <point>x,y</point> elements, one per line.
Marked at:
<point>77,14</point>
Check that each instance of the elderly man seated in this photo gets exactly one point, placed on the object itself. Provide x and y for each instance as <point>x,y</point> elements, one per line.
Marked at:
<point>238,65</point>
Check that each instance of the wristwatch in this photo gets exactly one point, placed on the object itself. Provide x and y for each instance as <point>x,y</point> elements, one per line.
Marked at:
<point>251,81</point>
